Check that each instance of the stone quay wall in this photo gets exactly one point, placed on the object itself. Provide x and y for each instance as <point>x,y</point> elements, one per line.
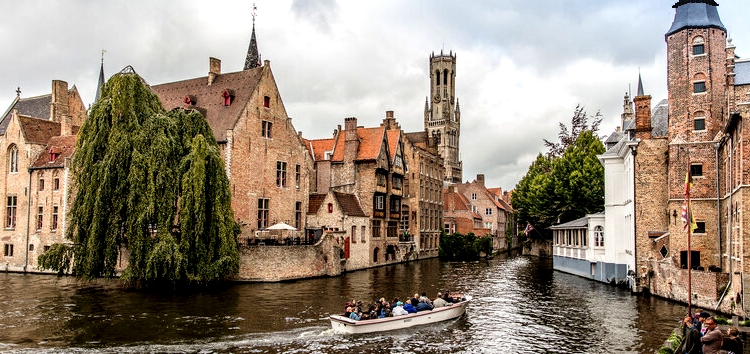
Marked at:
<point>279,263</point>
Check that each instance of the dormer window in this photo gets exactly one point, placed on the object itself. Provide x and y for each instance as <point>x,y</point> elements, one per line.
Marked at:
<point>190,100</point>
<point>266,101</point>
<point>228,97</point>
<point>53,154</point>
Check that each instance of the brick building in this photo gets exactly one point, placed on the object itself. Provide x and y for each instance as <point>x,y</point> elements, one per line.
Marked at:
<point>266,160</point>
<point>496,214</point>
<point>707,109</point>
<point>341,215</point>
<point>459,214</point>
<point>38,137</point>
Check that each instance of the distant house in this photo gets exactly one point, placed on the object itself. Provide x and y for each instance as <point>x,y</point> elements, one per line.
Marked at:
<point>38,138</point>
<point>341,215</point>
<point>495,212</point>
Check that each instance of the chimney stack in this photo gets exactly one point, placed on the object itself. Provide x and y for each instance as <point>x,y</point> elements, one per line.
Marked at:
<point>214,69</point>
<point>351,139</point>
<point>59,103</point>
<point>480,179</point>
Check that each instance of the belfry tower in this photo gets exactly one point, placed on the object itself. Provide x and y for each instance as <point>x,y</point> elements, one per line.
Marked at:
<point>442,115</point>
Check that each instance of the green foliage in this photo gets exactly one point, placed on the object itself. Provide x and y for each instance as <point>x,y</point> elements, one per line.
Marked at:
<point>464,247</point>
<point>57,257</point>
<point>151,182</point>
<point>722,320</point>
<point>566,184</point>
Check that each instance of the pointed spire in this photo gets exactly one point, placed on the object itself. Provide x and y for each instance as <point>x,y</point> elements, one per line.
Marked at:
<point>101,80</point>
<point>640,86</point>
<point>252,60</point>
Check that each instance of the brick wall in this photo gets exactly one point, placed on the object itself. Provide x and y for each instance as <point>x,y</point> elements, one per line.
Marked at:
<point>278,263</point>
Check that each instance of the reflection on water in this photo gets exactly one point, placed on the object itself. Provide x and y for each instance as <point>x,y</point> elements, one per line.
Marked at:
<point>520,306</point>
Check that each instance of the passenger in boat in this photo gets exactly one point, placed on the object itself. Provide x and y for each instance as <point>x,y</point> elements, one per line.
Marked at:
<point>440,301</point>
<point>353,314</point>
<point>374,311</point>
<point>423,306</point>
<point>399,309</point>
<point>425,299</point>
<point>409,307</point>
<point>415,300</point>
<point>447,297</point>
<point>394,303</point>
<point>385,310</point>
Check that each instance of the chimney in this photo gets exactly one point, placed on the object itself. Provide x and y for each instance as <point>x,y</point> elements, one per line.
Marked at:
<point>642,116</point>
<point>480,179</point>
<point>351,139</point>
<point>214,69</point>
<point>59,102</point>
<point>66,125</point>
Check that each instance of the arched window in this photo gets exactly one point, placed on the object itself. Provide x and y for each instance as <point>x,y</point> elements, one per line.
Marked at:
<point>437,77</point>
<point>698,46</point>
<point>375,255</point>
<point>445,77</point>
<point>699,83</point>
<point>598,236</point>
<point>13,159</point>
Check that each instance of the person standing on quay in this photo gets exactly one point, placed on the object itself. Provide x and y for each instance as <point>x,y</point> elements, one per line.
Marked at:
<point>691,338</point>
<point>732,343</point>
<point>713,338</point>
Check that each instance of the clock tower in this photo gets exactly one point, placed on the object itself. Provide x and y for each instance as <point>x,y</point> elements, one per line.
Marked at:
<point>442,115</point>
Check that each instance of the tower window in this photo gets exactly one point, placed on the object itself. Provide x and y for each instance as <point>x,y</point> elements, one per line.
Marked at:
<point>13,159</point>
<point>445,77</point>
<point>699,86</point>
<point>699,123</point>
<point>698,46</point>
<point>266,129</point>
<point>696,170</point>
<point>266,101</point>
<point>437,78</point>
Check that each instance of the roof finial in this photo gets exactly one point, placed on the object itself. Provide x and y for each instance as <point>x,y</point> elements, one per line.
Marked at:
<point>100,84</point>
<point>18,91</point>
<point>640,84</point>
<point>252,60</point>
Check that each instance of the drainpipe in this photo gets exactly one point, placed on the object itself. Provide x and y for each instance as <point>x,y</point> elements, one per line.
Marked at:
<point>28,223</point>
<point>718,199</point>
<point>731,218</point>
<point>634,152</point>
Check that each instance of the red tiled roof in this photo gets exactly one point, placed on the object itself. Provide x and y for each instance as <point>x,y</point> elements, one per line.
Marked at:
<point>316,200</point>
<point>209,99</point>
<point>349,204</point>
<point>393,140</point>
<point>64,146</point>
<point>38,131</point>
<point>370,143</point>
<point>320,146</point>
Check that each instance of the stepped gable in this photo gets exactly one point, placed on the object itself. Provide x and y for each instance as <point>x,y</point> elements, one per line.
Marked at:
<point>38,131</point>
<point>349,204</point>
<point>208,98</point>
<point>63,146</point>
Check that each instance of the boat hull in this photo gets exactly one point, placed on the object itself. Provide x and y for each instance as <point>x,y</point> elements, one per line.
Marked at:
<point>347,325</point>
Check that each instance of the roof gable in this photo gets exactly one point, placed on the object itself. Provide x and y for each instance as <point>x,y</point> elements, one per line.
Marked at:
<point>38,131</point>
<point>208,98</point>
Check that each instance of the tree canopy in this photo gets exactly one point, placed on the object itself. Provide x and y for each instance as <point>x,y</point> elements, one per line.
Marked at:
<point>150,191</point>
<point>567,183</point>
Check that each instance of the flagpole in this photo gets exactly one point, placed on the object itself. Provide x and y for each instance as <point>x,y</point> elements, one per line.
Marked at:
<point>689,230</point>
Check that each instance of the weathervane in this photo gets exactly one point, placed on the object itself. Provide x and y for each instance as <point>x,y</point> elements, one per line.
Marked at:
<point>254,9</point>
<point>103,51</point>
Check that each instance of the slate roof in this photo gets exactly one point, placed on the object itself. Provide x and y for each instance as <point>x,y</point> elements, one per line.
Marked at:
<point>695,14</point>
<point>37,130</point>
<point>64,146</point>
<point>36,107</point>
<point>208,98</point>
<point>742,72</point>
<point>660,119</point>
<point>581,223</point>
<point>417,137</point>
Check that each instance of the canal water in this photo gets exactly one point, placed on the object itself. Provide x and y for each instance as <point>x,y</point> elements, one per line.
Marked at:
<point>520,306</point>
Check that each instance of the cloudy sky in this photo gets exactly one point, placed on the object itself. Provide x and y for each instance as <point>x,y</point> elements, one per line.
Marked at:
<point>522,65</point>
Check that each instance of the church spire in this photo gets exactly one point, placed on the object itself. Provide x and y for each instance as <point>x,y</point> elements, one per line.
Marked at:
<point>252,60</point>
<point>101,80</point>
<point>640,86</point>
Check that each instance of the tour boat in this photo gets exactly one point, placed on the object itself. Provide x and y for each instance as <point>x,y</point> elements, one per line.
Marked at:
<point>347,325</point>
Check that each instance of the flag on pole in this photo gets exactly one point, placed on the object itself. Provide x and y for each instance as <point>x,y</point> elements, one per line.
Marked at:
<point>688,218</point>
<point>529,229</point>
<point>688,183</point>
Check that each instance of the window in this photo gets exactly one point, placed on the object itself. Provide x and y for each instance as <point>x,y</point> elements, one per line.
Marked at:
<point>227,97</point>
<point>330,208</point>
<point>10,211</point>
<point>39,218</point>
<point>297,175</point>
<point>437,76</point>
<point>41,184</point>
<point>263,213</point>
<point>298,215</point>
<point>362,234</point>
<point>13,159</point>
<point>379,202</point>
<point>488,211</point>
<point>392,230</point>
<point>598,236</point>
<point>54,218</point>
<point>700,227</point>
<point>405,218</point>
<point>397,182</point>
<point>266,129</point>
<point>698,46</point>
<point>699,86</point>
<point>399,161</point>
<point>696,170</point>
<point>382,179</point>
<point>266,101</point>
<point>473,196</point>
<point>699,124</point>
<point>56,184</point>
<point>395,205</point>
<point>375,228</point>
<point>8,250</point>
<point>31,247</point>
<point>280,174</point>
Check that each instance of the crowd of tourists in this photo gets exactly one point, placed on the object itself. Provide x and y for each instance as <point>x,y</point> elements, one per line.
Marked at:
<point>381,308</point>
<point>701,335</point>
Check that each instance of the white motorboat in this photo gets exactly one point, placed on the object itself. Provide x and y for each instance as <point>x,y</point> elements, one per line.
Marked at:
<point>347,325</point>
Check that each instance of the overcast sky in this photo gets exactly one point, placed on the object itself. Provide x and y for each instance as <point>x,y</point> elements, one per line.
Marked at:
<point>522,65</point>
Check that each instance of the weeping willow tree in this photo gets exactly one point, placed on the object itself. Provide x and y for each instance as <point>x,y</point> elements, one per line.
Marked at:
<point>149,184</point>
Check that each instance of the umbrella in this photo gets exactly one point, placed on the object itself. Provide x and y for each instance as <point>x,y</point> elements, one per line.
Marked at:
<point>281,226</point>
